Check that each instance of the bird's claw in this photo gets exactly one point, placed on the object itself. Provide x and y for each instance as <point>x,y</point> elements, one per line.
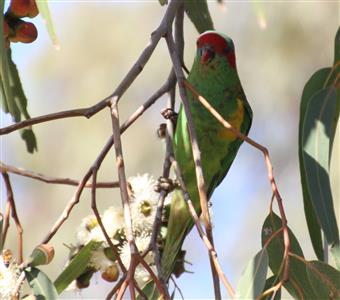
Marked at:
<point>169,114</point>
<point>166,184</point>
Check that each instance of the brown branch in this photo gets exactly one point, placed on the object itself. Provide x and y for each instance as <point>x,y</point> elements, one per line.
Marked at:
<point>166,171</point>
<point>100,223</point>
<point>135,255</point>
<point>196,156</point>
<point>115,288</point>
<point>87,112</point>
<point>124,196</point>
<point>201,233</point>
<point>53,180</point>
<point>269,166</point>
<point>10,200</point>
<point>6,221</point>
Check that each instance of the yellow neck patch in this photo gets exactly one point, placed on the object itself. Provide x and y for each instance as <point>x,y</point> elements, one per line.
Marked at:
<point>235,119</point>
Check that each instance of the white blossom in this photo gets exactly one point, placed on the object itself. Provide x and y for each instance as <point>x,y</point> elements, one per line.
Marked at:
<point>8,278</point>
<point>99,260</point>
<point>89,229</point>
<point>143,203</point>
<point>141,274</point>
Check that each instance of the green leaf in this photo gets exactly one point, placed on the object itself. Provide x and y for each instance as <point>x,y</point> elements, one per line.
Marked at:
<point>1,223</point>
<point>325,280</point>
<point>198,13</point>
<point>76,267</point>
<point>298,284</point>
<point>317,134</point>
<point>337,47</point>
<point>13,98</point>
<point>150,291</point>
<point>314,84</point>
<point>254,276</point>
<point>163,2</point>
<point>42,286</point>
<point>45,14</point>
<point>270,282</point>
<point>28,136</point>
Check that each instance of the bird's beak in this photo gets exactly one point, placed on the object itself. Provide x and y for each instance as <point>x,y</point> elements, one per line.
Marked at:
<point>206,55</point>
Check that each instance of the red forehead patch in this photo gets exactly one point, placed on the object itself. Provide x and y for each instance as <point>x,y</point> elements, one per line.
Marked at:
<point>213,39</point>
<point>219,45</point>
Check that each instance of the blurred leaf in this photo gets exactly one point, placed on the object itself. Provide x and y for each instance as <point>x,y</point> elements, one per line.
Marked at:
<point>325,280</point>
<point>28,136</point>
<point>1,223</point>
<point>323,78</point>
<point>42,286</point>
<point>254,276</point>
<point>298,284</point>
<point>163,2</point>
<point>198,13</point>
<point>270,282</point>
<point>45,14</point>
<point>314,84</point>
<point>76,267</point>
<point>13,97</point>
<point>337,47</point>
<point>150,291</point>
<point>317,133</point>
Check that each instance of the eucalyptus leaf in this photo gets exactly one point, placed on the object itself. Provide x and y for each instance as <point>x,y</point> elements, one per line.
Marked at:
<point>314,84</point>
<point>42,286</point>
<point>76,267</point>
<point>46,15</point>
<point>317,132</point>
<point>1,227</point>
<point>325,280</point>
<point>298,283</point>
<point>253,279</point>
<point>270,282</point>
<point>198,13</point>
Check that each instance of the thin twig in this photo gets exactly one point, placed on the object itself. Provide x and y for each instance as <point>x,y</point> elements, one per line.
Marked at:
<point>269,166</point>
<point>135,255</point>
<point>53,180</point>
<point>6,222</point>
<point>159,211</point>
<point>124,196</point>
<point>80,112</point>
<point>196,156</point>
<point>177,287</point>
<point>100,223</point>
<point>10,200</point>
<point>115,288</point>
<point>210,247</point>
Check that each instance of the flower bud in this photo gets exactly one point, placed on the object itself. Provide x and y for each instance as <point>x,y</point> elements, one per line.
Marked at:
<point>41,255</point>
<point>111,273</point>
<point>23,8</point>
<point>25,32</point>
<point>5,29</point>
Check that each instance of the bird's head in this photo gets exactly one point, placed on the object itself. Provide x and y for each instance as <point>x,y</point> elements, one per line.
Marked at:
<point>212,45</point>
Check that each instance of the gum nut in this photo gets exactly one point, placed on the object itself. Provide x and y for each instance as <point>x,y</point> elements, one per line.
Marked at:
<point>20,8</point>
<point>26,32</point>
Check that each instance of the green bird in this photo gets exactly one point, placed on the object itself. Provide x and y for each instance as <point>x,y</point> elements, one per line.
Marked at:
<point>214,76</point>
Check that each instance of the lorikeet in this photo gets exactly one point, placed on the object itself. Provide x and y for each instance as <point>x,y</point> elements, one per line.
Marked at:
<point>214,76</point>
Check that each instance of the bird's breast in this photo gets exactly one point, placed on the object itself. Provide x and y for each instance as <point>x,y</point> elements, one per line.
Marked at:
<point>235,119</point>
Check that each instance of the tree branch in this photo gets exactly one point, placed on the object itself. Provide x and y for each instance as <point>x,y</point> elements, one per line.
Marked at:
<point>11,202</point>
<point>53,180</point>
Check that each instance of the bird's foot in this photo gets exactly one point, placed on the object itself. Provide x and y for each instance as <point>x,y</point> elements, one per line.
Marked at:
<point>161,131</point>
<point>166,184</point>
<point>169,114</point>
